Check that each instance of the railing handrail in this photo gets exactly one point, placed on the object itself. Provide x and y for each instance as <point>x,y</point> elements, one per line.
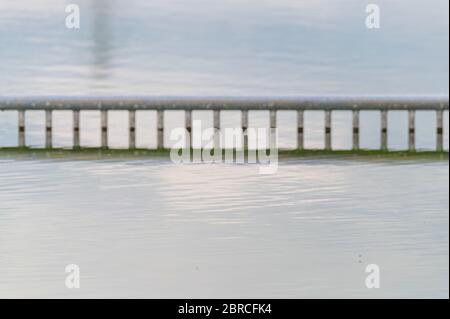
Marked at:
<point>336,103</point>
<point>244,105</point>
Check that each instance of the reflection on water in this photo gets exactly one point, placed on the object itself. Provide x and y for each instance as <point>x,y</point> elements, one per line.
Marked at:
<point>216,47</point>
<point>101,40</point>
<point>153,229</point>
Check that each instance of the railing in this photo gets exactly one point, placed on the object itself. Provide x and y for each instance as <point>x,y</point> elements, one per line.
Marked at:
<point>326,104</point>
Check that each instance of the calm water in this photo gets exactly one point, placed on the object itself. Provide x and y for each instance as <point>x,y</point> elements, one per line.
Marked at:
<point>154,229</point>
<point>223,47</point>
<point>148,228</point>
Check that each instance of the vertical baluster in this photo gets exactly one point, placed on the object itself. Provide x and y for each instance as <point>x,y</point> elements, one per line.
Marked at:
<point>216,129</point>
<point>104,125</point>
<point>300,130</point>
<point>384,130</point>
<point>328,145</point>
<point>440,130</point>
<point>132,129</point>
<point>21,118</point>
<point>244,125</point>
<point>48,129</point>
<point>188,119</point>
<point>273,129</point>
<point>160,128</point>
<point>356,129</point>
<point>76,129</point>
<point>412,130</point>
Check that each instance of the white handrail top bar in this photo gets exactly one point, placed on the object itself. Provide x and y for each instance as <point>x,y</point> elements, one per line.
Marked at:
<point>225,103</point>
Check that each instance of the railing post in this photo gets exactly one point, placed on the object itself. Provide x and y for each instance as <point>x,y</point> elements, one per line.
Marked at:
<point>244,125</point>
<point>216,129</point>
<point>273,129</point>
<point>188,120</point>
<point>132,129</point>
<point>104,125</point>
<point>300,130</point>
<point>48,129</point>
<point>412,130</point>
<point>440,130</point>
<point>384,130</point>
<point>160,129</point>
<point>356,129</point>
<point>439,106</point>
<point>76,129</point>
<point>328,145</point>
<point>21,118</point>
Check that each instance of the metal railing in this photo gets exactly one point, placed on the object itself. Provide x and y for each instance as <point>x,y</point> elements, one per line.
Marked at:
<point>300,105</point>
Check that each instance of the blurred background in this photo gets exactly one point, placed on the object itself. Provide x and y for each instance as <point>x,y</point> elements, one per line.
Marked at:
<point>147,228</point>
<point>224,47</point>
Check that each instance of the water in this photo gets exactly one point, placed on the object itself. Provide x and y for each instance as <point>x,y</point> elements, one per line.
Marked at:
<point>155,229</point>
<point>149,228</point>
<point>222,47</point>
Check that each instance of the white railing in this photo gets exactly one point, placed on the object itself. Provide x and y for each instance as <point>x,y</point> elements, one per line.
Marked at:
<point>160,105</point>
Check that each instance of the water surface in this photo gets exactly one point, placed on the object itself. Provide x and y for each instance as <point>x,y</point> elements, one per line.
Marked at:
<point>223,47</point>
<point>151,229</point>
